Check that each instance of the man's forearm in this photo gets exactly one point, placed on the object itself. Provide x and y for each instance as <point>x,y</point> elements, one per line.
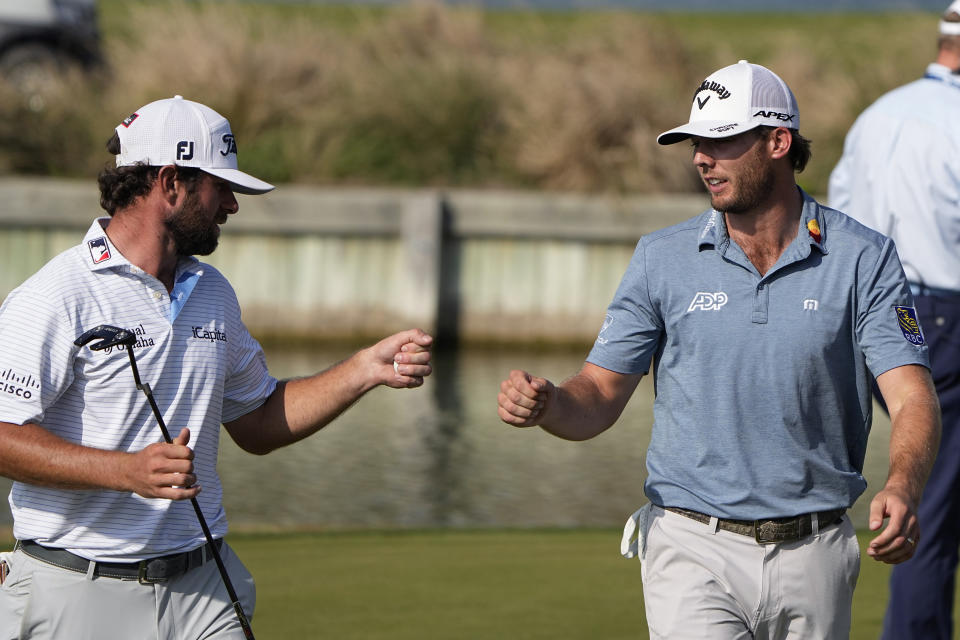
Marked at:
<point>588,403</point>
<point>914,440</point>
<point>31,454</point>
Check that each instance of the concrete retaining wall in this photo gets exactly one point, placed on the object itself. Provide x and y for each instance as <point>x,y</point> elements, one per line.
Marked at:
<point>356,263</point>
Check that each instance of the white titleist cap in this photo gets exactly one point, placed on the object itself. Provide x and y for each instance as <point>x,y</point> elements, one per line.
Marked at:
<point>735,99</point>
<point>188,134</point>
<point>950,28</point>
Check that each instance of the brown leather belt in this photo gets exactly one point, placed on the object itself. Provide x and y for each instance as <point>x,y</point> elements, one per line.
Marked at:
<point>146,571</point>
<point>772,529</point>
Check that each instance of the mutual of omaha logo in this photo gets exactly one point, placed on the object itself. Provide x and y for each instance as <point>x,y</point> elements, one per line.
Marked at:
<point>909,325</point>
<point>143,340</point>
<point>705,301</point>
<point>99,250</point>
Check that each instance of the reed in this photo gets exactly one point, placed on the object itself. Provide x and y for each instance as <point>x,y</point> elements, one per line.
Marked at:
<point>424,94</point>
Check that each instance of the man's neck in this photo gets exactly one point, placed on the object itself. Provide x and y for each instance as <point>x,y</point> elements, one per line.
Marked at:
<point>764,234</point>
<point>144,241</point>
<point>949,59</point>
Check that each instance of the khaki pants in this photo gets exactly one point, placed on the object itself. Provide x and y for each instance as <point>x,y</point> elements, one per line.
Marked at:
<point>700,582</point>
<point>39,601</point>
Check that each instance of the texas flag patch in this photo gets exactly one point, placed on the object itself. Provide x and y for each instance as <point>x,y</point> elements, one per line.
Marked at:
<point>99,250</point>
<point>909,325</point>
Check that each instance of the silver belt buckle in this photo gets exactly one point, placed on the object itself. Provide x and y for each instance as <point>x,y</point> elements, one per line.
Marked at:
<point>766,532</point>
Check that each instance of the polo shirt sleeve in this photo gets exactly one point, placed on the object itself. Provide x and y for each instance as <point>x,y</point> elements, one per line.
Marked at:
<point>248,383</point>
<point>632,329</point>
<point>36,356</point>
<point>888,329</point>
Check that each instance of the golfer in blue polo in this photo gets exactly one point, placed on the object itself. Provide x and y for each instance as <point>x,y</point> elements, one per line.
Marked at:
<point>764,321</point>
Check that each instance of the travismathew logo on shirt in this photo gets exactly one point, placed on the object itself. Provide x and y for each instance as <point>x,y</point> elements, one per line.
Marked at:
<point>214,335</point>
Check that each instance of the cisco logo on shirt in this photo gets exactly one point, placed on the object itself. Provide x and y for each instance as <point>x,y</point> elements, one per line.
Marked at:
<point>17,384</point>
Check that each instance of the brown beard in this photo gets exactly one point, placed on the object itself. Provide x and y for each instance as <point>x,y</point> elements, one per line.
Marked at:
<point>192,233</point>
<point>754,183</point>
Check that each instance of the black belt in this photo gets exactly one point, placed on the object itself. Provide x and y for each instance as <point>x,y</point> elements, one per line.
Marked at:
<point>771,529</point>
<point>146,571</point>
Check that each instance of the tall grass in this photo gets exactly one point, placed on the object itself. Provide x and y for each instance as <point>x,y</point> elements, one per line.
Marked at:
<point>429,95</point>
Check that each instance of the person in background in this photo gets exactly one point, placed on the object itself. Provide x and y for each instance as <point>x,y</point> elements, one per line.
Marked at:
<point>900,174</point>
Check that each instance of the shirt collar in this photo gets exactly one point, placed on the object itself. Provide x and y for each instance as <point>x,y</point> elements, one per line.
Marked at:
<point>941,73</point>
<point>103,255</point>
<point>811,232</point>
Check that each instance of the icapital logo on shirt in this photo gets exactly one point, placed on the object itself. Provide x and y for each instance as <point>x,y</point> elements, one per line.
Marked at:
<point>704,301</point>
<point>214,335</point>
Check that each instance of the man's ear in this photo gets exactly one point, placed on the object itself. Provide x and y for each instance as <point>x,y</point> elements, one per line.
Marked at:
<point>780,141</point>
<point>168,183</point>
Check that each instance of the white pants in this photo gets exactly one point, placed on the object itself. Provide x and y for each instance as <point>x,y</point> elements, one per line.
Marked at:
<point>700,582</point>
<point>41,602</point>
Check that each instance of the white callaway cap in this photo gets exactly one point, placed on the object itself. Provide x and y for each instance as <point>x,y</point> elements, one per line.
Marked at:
<point>735,99</point>
<point>188,134</point>
<point>950,28</point>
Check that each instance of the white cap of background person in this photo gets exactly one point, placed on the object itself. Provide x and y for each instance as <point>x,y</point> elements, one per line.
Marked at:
<point>735,99</point>
<point>950,28</point>
<point>187,134</point>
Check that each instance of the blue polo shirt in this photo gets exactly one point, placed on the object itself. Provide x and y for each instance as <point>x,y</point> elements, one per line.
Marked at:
<point>763,400</point>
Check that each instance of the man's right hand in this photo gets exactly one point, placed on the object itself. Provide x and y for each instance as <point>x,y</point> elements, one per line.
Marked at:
<point>524,399</point>
<point>164,470</point>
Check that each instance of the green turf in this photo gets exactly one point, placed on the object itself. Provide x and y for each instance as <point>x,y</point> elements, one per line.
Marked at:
<point>468,584</point>
<point>442,584</point>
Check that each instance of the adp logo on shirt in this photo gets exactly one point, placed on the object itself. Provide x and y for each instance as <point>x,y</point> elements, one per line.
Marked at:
<point>708,301</point>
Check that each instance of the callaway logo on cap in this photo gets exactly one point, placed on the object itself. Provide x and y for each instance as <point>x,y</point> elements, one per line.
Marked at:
<point>735,99</point>
<point>188,134</point>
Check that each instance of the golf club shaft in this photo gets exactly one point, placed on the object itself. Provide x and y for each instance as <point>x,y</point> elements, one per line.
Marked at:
<point>234,600</point>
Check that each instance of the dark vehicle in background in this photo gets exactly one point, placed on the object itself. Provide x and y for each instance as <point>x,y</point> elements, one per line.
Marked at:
<point>41,40</point>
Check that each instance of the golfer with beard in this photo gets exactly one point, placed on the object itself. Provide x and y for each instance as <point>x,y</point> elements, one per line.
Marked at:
<point>763,320</point>
<point>108,546</point>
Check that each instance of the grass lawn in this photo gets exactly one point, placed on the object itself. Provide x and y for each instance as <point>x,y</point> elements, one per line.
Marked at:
<point>518,585</point>
<point>468,584</point>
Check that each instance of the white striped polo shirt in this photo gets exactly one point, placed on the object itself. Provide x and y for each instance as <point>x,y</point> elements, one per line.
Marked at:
<point>192,348</point>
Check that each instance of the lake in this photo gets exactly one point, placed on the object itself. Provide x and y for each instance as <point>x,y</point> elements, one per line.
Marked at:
<point>438,456</point>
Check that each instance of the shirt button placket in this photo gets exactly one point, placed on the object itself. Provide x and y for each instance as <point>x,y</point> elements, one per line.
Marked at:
<point>760,304</point>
